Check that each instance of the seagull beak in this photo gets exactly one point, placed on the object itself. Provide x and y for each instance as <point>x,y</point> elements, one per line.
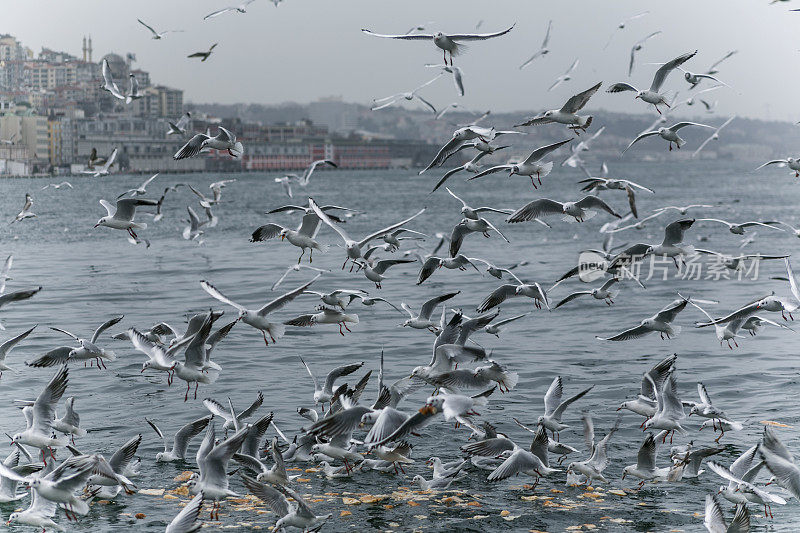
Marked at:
<point>96,224</point>
<point>283,237</point>
<point>619,408</point>
<point>624,474</point>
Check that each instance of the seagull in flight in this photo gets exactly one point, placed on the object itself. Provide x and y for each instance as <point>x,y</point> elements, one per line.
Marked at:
<point>156,34</point>
<point>714,136</point>
<point>204,55</point>
<point>105,168</point>
<point>668,134</point>
<point>445,42</point>
<point>241,8</point>
<point>381,103</point>
<point>564,77</point>
<point>108,82</point>
<point>179,127</point>
<point>460,137</point>
<point>621,26</point>
<point>652,95</point>
<point>528,167</point>
<point>636,47</point>
<point>568,113</point>
<point>26,210</point>
<point>543,50</point>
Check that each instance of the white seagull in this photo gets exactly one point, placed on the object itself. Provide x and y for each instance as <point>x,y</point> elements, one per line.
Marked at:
<point>241,8</point>
<point>224,140</point>
<point>121,215</point>
<point>529,166</point>
<point>652,95</point>
<point>543,50</point>
<point>564,77</point>
<point>104,169</point>
<point>568,113</point>
<point>157,34</point>
<point>668,134</point>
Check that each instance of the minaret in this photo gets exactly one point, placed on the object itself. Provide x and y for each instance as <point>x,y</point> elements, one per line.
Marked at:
<point>90,48</point>
<point>84,48</point>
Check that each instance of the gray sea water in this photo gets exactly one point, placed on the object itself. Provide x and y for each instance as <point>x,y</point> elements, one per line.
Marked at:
<point>91,274</point>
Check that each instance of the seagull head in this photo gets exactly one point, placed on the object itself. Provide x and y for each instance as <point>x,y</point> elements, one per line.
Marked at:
<point>688,76</point>
<point>102,221</point>
<point>438,35</point>
<point>283,233</point>
<point>12,518</point>
<point>648,424</point>
<point>639,94</point>
<point>514,170</point>
<point>627,470</point>
<point>549,113</point>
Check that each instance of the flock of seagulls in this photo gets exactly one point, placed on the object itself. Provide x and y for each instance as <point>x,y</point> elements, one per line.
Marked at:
<point>345,434</point>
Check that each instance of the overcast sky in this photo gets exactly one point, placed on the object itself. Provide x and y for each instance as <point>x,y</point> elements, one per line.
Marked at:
<point>306,49</point>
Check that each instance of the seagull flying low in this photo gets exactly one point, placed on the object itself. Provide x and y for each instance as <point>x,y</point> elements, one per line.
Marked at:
<point>458,80</point>
<point>460,137</point>
<point>446,42</point>
<point>470,166</point>
<point>564,77</point>
<point>792,162</point>
<point>179,127</point>
<point>668,134</point>
<point>302,181</point>
<point>157,34</point>
<point>121,215</point>
<point>224,140</point>
<point>572,211</point>
<point>568,113</point>
<point>652,95</point>
<point>710,72</point>
<point>530,166</point>
<point>595,184</point>
<point>26,210</point>
<point>105,168</point>
<point>543,51</point>
<point>108,81</point>
<point>661,322</point>
<point>621,26</point>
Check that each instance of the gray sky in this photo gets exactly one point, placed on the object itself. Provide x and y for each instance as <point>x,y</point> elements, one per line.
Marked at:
<point>306,49</point>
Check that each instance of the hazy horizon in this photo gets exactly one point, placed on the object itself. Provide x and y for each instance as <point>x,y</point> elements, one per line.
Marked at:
<point>300,52</point>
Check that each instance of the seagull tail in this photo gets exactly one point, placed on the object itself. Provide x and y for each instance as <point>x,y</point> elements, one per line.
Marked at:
<point>585,122</point>
<point>323,248</point>
<point>237,150</point>
<point>510,380</point>
<point>674,330</point>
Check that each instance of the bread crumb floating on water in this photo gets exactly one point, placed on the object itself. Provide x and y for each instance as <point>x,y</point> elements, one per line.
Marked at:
<point>774,424</point>
<point>183,477</point>
<point>140,516</point>
<point>345,513</point>
<point>351,501</point>
<point>152,492</point>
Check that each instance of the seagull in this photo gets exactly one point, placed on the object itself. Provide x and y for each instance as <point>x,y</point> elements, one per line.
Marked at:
<point>473,213</point>
<point>711,70</point>
<point>568,114</point>
<point>495,328</point>
<point>133,90</point>
<point>780,462</point>
<point>637,47</point>
<point>354,247</point>
<point>326,315</point>
<point>447,43</point>
<point>739,229</point>
<point>595,184</point>
<point>645,402</point>
<point>574,159</point>
<point>661,322</point>
<point>737,262</point>
<point>792,162</point>
<point>39,416</point>
<point>694,78</point>
<point>187,520</point>
<point>57,186</point>
<point>141,190</point>
<point>233,420</point>
<point>158,35</point>
<point>645,467</point>
<point>423,319</point>
<point>8,345</point>
<point>304,237</point>
<point>754,323</point>
<point>682,209</point>
<point>298,514</point>
<point>714,518</point>
<point>602,293</point>
<point>121,215</point>
<point>259,318</point>
<point>510,290</point>
<point>302,181</point>
<point>714,136</point>
<point>224,140</point>
<point>460,137</point>
<point>88,347</point>
<point>213,460</point>
<point>104,168</point>
<point>621,25</point>
<point>543,50</point>
<point>180,442</point>
<point>381,103</point>
<point>529,166</point>
<point>652,95</point>
<point>205,55</point>
<point>458,80</point>
<point>159,357</point>
<point>743,485</point>
<point>668,134</point>
<point>669,409</point>
<point>108,82</point>
<point>593,467</point>
<point>468,226</point>
<point>324,393</point>
<point>240,9</point>
<point>564,77</point>
<point>554,407</point>
<point>26,210</point>
<point>470,166</point>
<point>295,268</point>
<point>179,127</point>
<point>572,211</point>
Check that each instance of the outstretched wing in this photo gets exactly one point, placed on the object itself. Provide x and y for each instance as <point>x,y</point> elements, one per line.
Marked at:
<point>577,102</point>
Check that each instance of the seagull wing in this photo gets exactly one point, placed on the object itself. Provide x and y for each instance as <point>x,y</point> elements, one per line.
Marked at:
<point>409,37</point>
<point>539,153</point>
<point>388,229</point>
<point>639,138</point>
<point>664,70</point>
<point>214,292</point>
<point>535,209</point>
<point>478,36</point>
<point>577,102</point>
<point>285,298</point>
